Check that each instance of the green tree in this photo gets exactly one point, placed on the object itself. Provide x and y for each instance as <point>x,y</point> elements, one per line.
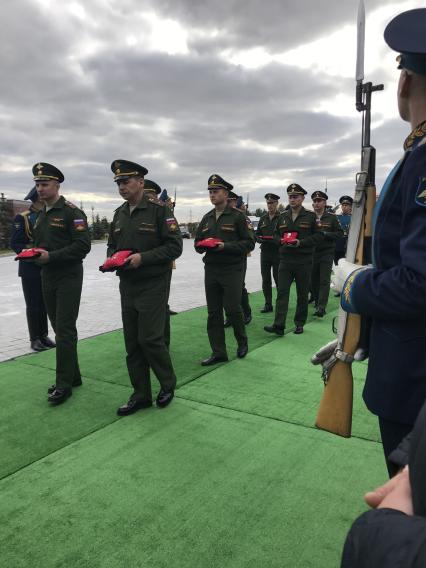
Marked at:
<point>6,220</point>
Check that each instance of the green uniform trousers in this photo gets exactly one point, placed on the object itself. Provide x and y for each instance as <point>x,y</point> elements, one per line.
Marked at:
<point>268,262</point>
<point>245,302</point>
<point>143,310</point>
<point>62,293</point>
<point>320,281</point>
<point>223,284</point>
<point>167,322</point>
<point>288,273</point>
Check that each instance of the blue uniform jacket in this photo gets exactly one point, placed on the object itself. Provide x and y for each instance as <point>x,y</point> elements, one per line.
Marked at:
<point>22,238</point>
<point>393,293</point>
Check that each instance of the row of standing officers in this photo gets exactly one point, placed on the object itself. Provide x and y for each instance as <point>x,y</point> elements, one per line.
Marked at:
<point>295,245</point>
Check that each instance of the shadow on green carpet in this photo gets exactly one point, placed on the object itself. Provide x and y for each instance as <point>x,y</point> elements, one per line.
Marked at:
<point>191,486</point>
<point>278,381</point>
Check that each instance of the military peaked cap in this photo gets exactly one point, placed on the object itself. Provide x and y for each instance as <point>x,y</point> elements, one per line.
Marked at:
<point>152,186</point>
<point>32,195</point>
<point>406,34</point>
<point>346,199</point>
<point>295,188</point>
<point>319,195</point>
<point>271,197</point>
<point>232,195</point>
<point>217,182</point>
<point>43,171</point>
<point>123,170</point>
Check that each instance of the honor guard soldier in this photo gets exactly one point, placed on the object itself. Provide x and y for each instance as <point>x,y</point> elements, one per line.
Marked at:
<point>269,254</point>
<point>61,229</point>
<point>152,189</point>
<point>231,235</point>
<point>147,227</point>
<point>392,291</point>
<point>327,224</point>
<point>30,274</point>
<point>297,236</point>
<point>345,222</point>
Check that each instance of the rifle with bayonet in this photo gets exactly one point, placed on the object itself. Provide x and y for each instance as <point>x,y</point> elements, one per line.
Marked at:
<point>336,358</point>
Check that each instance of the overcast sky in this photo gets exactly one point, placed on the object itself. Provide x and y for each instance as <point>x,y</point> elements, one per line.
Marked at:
<point>258,91</point>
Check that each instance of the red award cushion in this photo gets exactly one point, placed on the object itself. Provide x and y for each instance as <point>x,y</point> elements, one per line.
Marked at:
<point>29,254</point>
<point>117,260</point>
<point>209,243</point>
<point>289,238</point>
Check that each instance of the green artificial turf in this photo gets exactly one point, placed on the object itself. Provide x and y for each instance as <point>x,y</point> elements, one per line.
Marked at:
<point>191,486</point>
<point>232,474</point>
<point>278,380</point>
<point>103,357</point>
<point>30,429</point>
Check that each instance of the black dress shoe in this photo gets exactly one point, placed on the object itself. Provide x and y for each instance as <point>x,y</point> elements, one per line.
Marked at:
<point>227,323</point>
<point>53,387</point>
<point>59,395</point>
<point>320,313</point>
<point>133,406</point>
<point>47,342</point>
<point>164,398</point>
<point>212,360</point>
<point>266,309</point>
<point>298,330</point>
<point>37,345</point>
<point>172,313</point>
<point>274,329</point>
<point>242,350</point>
<point>247,319</point>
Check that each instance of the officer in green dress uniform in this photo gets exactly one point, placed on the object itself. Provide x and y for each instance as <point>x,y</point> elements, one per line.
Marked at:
<point>61,228</point>
<point>154,191</point>
<point>224,268</point>
<point>327,224</point>
<point>146,226</point>
<point>295,259</point>
<point>269,254</point>
<point>236,202</point>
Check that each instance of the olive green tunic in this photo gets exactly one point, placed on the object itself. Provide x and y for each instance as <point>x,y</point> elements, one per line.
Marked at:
<point>295,264</point>
<point>152,230</point>
<point>328,224</point>
<point>63,231</point>
<point>269,254</point>
<point>224,273</point>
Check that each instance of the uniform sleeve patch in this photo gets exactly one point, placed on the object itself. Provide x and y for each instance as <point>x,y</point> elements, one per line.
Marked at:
<point>172,224</point>
<point>79,224</point>
<point>421,193</point>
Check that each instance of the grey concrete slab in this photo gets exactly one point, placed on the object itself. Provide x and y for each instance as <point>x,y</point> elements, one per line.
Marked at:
<point>100,301</point>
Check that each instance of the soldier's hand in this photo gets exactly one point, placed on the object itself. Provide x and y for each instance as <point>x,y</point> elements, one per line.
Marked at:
<point>293,244</point>
<point>134,260</point>
<point>43,258</point>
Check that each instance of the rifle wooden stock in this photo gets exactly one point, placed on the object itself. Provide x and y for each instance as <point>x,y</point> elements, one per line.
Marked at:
<point>335,409</point>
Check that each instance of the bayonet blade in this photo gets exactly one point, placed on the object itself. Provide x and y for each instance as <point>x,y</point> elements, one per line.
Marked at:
<point>360,42</point>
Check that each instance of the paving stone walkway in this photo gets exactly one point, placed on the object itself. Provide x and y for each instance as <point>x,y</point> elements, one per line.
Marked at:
<point>100,302</point>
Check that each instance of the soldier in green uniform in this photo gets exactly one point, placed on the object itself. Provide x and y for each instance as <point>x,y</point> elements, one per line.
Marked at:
<point>61,228</point>
<point>224,268</point>
<point>153,191</point>
<point>236,202</point>
<point>295,259</point>
<point>269,254</point>
<point>327,224</point>
<point>145,225</point>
